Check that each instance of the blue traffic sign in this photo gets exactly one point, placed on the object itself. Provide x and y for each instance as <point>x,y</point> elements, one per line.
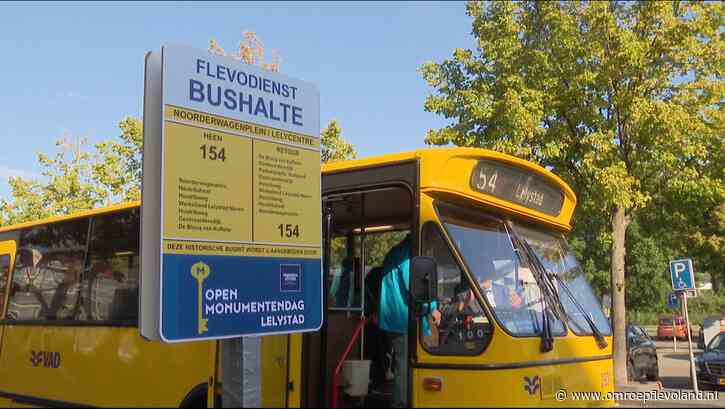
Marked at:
<point>672,300</point>
<point>682,275</point>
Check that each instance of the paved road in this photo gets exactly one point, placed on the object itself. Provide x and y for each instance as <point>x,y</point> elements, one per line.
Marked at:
<point>674,375</point>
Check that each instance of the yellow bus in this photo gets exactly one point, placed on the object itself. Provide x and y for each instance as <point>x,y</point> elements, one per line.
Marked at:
<point>69,319</point>
<point>519,322</point>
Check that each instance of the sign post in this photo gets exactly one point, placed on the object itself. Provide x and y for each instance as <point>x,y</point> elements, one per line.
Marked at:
<point>683,279</point>
<point>673,303</point>
<point>231,212</point>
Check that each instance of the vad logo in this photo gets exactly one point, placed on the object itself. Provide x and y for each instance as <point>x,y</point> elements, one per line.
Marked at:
<point>531,385</point>
<point>201,271</point>
<point>48,359</point>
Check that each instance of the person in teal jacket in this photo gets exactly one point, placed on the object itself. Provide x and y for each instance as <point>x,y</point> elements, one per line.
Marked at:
<point>394,306</point>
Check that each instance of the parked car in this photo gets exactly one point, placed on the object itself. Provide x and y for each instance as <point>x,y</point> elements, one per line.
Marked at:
<point>710,366</point>
<point>665,328</point>
<point>711,326</point>
<point>641,355</point>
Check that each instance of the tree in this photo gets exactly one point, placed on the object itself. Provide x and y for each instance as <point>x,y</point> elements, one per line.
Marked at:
<point>77,178</point>
<point>622,99</point>
<point>334,146</point>
<point>647,273</point>
<point>119,165</point>
<point>250,51</point>
<point>70,186</point>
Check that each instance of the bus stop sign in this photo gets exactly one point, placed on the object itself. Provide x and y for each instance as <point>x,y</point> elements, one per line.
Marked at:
<point>231,238</point>
<point>682,275</point>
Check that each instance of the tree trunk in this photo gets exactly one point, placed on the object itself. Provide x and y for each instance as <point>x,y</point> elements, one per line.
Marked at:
<point>620,222</point>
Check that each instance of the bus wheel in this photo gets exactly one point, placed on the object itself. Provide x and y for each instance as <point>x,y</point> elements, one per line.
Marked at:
<point>196,398</point>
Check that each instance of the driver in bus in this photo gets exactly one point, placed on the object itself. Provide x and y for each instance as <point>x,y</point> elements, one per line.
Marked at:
<point>498,296</point>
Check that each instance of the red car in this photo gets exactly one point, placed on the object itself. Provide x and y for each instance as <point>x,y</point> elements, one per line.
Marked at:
<point>665,328</point>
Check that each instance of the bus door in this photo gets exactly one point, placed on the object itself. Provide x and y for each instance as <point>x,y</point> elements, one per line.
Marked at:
<point>365,226</point>
<point>7,258</point>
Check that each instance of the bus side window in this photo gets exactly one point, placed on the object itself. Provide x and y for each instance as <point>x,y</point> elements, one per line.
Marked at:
<point>48,272</point>
<point>465,328</point>
<point>111,290</point>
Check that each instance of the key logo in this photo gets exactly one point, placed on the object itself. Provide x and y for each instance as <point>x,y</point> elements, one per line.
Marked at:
<point>200,271</point>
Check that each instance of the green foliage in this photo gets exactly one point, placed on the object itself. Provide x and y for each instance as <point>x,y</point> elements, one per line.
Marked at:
<point>334,146</point>
<point>377,246</point>
<point>119,164</point>
<point>70,186</point>
<point>647,272</point>
<point>77,179</point>
<point>591,242</point>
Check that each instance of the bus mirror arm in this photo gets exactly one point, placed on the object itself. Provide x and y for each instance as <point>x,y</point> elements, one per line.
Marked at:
<point>424,283</point>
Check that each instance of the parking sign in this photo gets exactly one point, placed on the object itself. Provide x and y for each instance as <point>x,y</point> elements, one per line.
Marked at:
<point>672,300</point>
<point>682,275</point>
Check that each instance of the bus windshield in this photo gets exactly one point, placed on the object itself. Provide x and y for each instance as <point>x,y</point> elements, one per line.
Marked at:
<point>554,253</point>
<point>507,282</point>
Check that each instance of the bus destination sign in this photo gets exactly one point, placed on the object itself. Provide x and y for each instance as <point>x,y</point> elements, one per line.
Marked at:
<point>232,185</point>
<point>517,185</point>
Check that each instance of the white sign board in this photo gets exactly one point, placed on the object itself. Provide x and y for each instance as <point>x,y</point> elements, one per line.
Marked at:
<point>231,212</point>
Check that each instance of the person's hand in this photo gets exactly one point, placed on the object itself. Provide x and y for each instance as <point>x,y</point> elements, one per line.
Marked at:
<point>469,297</point>
<point>436,317</point>
<point>515,299</point>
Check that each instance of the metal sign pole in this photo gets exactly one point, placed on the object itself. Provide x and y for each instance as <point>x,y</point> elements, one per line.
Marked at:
<point>231,365</point>
<point>242,372</point>
<point>674,330</point>
<point>693,375</point>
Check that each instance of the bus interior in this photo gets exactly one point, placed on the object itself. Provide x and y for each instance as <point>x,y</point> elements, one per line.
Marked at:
<point>364,226</point>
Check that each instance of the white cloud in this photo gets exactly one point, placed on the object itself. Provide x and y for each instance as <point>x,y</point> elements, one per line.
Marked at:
<point>6,172</point>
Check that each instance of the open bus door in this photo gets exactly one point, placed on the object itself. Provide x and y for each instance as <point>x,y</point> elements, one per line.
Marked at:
<point>360,230</point>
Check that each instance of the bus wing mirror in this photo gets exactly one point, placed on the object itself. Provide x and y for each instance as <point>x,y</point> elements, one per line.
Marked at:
<point>424,285</point>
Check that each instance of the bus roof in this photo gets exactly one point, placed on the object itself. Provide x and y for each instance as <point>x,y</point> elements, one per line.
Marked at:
<point>449,170</point>
<point>76,215</point>
<point>446,153</point>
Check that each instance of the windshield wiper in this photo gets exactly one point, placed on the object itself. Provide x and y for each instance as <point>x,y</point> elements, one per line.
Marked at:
<point>601,342</point>
<point>549,283</point>
<point>549,299</point>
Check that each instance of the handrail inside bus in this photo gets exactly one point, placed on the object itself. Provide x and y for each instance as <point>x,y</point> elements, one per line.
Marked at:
<point>338,368</point>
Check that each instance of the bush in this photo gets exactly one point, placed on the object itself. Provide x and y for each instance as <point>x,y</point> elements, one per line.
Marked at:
<point>705,304</point>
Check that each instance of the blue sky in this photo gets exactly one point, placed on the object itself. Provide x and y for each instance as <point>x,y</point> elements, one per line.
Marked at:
<point>76,69</point>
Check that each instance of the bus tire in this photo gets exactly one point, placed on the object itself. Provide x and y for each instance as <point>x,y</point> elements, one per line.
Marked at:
<point>197,398</point>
